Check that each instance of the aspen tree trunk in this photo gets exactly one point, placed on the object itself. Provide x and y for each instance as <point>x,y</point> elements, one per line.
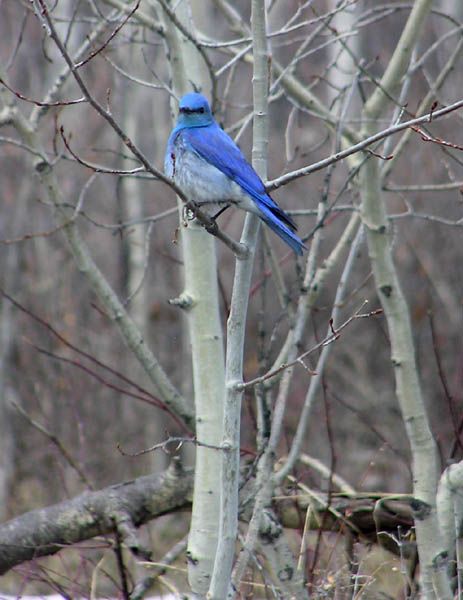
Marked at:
<point>425,465</point>
<point>236,327</point>
<point>200,299</point>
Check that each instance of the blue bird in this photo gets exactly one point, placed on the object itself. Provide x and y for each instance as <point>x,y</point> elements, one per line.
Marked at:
<point>211,170</point>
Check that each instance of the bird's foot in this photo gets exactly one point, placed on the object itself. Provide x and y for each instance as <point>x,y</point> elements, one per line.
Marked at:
<point>222,210</point>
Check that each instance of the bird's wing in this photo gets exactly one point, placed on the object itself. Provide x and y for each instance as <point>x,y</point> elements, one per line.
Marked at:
<point>218,149</point>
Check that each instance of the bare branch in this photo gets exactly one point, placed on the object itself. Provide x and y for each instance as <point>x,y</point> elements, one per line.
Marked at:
<point>45,531</point>
<point>56,442</point>
<point>329,339</point>
<point>38,102</point>
<point>209,223</point>
<point>430,116</point>
<point>92,55</point>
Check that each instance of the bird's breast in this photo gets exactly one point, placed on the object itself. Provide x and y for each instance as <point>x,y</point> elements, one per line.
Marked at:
<point>201,181</point>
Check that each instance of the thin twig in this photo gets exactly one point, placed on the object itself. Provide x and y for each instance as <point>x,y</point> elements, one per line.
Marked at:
<point>38,102</point>
<point>111,37</point>
<point>329,339</point>
<point>164,446</point>
<point>304,171</point>
<point>209,223</point>
<point>55,441</point>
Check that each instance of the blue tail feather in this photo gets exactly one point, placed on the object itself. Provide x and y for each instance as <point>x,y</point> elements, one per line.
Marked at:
<point>282,230</point>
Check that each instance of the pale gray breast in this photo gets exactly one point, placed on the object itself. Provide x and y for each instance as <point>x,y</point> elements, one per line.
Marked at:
<point>203,183</point>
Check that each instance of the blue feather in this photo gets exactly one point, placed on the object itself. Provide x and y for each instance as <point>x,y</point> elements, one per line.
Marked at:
<point>198,135</point>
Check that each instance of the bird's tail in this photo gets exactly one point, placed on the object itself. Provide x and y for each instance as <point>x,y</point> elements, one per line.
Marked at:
<point>282,230</point>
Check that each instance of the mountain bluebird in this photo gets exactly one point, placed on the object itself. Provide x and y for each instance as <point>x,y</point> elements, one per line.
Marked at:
<point>211,170</point>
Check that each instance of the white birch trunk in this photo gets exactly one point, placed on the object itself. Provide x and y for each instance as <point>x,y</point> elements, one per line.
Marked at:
<point>236,327</point>
<point>425,466</point>
<point>450,506</point>
<point>201,299</point>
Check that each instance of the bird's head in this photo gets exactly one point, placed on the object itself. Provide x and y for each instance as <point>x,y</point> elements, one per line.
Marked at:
<point>194,111</point>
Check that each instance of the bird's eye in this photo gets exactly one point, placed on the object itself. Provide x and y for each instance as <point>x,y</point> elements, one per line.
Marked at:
<point>201,110</point>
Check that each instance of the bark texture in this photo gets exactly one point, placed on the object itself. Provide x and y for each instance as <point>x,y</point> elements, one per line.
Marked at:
<point>48,530</point>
